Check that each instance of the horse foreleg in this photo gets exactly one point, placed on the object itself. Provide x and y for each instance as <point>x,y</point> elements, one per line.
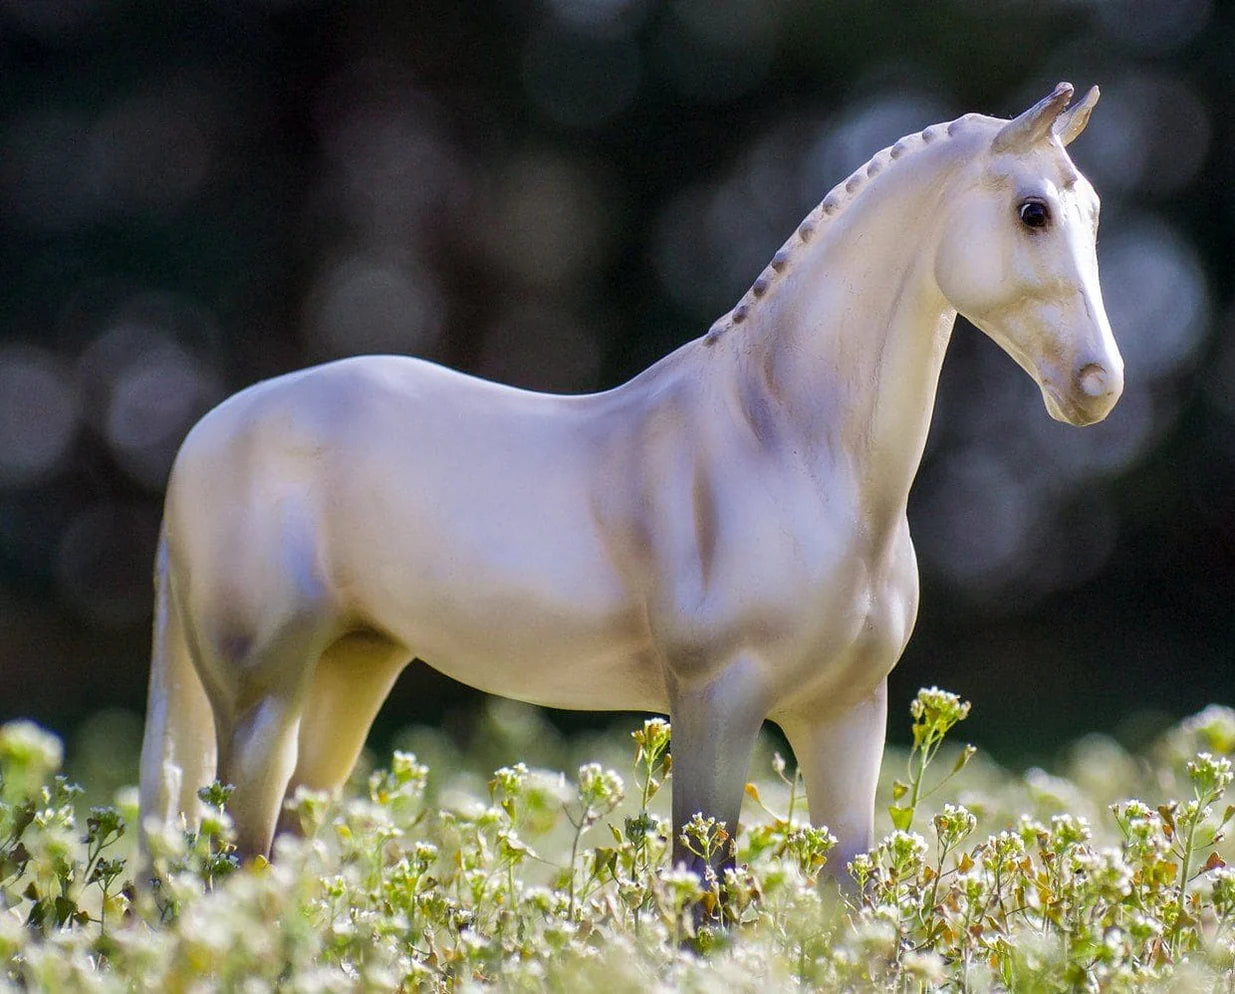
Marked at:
<point>839,754</point>
<point>715,726</point>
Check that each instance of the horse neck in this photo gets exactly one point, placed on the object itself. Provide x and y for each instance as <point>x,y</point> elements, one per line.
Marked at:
<point>850,345</point>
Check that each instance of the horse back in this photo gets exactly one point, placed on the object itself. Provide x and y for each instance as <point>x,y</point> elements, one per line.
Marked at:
<point>456,516</point>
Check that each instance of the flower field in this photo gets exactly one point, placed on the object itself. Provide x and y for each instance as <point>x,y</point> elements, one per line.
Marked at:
<point>435,874</point>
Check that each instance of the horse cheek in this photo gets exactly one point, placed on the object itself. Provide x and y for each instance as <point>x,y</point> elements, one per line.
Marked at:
<point>971,269</point>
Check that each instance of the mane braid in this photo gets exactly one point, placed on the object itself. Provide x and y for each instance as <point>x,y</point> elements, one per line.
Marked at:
<point>838,198</point>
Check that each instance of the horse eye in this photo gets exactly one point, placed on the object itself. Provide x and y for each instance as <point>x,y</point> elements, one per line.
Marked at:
<point>1034,214</point>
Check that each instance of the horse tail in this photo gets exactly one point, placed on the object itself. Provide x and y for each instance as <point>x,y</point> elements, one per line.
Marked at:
<point>179,750</point>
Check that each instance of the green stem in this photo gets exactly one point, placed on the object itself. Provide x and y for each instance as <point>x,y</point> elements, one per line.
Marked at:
<point>1185,867</point>
<point>915,780</point>
<point>574,853</point>
<point>943,854</point>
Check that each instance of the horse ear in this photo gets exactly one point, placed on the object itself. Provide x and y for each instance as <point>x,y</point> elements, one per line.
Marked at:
<point>1035,124</point>
<point>1072,121</point>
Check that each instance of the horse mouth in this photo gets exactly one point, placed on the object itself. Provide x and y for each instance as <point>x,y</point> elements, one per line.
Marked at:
<point>1071,412</point>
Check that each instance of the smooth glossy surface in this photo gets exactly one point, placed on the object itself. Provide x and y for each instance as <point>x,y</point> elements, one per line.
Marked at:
<point>722,538</point>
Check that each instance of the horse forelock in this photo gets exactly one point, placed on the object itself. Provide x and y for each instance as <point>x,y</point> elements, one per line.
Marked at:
<point>838,199</point>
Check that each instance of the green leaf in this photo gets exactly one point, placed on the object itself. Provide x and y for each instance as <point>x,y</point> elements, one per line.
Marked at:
<point>38,914</point>
<point>65,909</point>
<point>902,818</point>
<point>606,860</point>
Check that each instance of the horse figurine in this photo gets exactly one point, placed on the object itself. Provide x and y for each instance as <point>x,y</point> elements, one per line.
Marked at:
<point>722,538</point>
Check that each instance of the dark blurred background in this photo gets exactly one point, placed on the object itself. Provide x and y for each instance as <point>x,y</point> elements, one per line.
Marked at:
<point>554,193</point>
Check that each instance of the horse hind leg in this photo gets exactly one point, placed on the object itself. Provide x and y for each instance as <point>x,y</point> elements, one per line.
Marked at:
<point>259,690</point>
<point>351,680</point>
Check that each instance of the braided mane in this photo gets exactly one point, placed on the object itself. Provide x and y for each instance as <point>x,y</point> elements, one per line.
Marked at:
<point>838,198</point>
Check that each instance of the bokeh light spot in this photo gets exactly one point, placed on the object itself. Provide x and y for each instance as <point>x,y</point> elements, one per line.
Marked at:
<point>153,149</point>
<point>394,168</point>
<point>1153,134</point>
<point>550,224</point>
<point>1107,448</point>
<point>861,130</point>
<point>1157,297</point>
<point>1075,544</point>
<point>980,515</point>
<point>39,407</point>
<point>374,303</point>
<point>147,377</point>
<point>153,404</point>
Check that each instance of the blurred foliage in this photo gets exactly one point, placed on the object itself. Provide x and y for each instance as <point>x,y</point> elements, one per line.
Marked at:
<point>555,193</point>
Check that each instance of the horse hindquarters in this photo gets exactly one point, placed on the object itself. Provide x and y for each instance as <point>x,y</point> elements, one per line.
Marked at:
<point>286,700</point>
<point>241,626</point>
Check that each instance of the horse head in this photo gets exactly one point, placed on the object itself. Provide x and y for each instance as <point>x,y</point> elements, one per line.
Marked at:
<point>1018,257</point>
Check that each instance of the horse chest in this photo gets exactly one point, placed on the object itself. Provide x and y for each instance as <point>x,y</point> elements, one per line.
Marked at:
<point>861,626</point>
<point>795,578</point>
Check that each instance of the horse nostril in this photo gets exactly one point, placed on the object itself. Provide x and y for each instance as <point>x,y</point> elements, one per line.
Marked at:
<point>1093,380</point>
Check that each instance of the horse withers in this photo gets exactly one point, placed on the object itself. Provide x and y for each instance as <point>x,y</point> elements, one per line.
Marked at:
<point>722,538</point>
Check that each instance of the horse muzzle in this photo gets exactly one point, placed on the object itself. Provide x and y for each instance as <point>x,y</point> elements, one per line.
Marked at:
<point>1092,392</point>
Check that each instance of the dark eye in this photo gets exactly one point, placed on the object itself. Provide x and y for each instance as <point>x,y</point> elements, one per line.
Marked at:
<point>1034,214</point>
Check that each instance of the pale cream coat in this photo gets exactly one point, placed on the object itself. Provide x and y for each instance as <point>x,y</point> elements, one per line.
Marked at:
<point>723,538</point>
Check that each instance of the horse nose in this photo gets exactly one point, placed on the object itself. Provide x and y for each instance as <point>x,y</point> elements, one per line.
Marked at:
<point>1095,381</point>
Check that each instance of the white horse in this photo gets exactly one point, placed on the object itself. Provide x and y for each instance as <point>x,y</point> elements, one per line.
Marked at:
<point>723,538</point>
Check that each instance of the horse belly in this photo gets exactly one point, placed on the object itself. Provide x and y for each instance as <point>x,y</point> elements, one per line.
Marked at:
<point>565,655</point>
<point>579,676</point>
<point>516,598</point>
